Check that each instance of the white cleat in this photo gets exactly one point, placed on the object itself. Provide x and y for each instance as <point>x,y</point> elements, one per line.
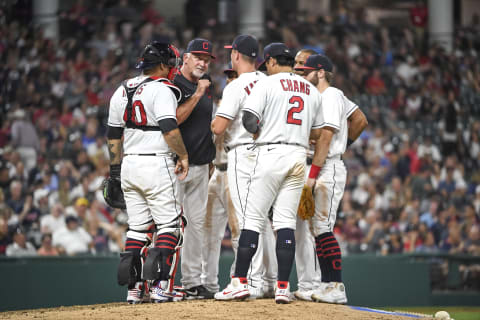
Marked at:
<point>283,296</point>
<point>136,294</point>
<point>334,292</point>
<point>159,295</point>
<point>234,291</point>
<point>305,295</point>
<point>255,293</point>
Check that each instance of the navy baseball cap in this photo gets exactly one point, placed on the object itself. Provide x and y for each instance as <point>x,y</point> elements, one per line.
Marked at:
<point>200,45</point>
<point>275,49</point>
<point>317,62</point>
<point>245,44</point>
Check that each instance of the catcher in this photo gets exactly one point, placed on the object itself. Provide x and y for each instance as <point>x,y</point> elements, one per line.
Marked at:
<point>143,112</point>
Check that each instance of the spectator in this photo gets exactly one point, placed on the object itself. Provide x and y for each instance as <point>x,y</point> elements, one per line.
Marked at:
<point>53,221</point>
<point>20,247</point>
<point>72,239</point>
<point>25,138</point>
<point>5,238</point>
<point>46,249</point>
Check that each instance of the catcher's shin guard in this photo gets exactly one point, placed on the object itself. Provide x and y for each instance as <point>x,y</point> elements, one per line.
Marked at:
<point>130,267</point>
<point>162,260</point>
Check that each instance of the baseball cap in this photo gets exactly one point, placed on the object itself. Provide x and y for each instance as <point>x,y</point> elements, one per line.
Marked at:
<point>317,62</point>
<point>82,202</point>
<point>245,44</point>
<point>200,45</point>
<point>275,49</point>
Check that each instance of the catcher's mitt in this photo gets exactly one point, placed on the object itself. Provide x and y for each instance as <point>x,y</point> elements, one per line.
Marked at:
<point>113,194</point>
<point>306,207</point>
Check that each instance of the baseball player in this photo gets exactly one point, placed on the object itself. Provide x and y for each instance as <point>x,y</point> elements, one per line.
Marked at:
<point>281,112</point>
<point>308,271</point>
<point>328,174</point>
<point>241,160</point>
<point>143,112</point>
<point>219,210</point>
<point>194,115</point>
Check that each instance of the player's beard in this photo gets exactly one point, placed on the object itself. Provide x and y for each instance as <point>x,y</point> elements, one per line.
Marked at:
<point>198,73</point>
<point>313,78</point>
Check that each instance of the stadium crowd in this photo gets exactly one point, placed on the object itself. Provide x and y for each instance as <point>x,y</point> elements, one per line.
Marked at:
<point>414,174</point>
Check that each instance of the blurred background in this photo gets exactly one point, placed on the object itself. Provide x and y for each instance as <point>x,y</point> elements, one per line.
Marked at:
<point>413,67</point>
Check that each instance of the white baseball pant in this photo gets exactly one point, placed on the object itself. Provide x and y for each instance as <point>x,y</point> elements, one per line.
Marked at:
<point>277,182</point>
<point>329,190</point>
<point>219,211</point>
<point>193,193</point>
<point>149,187</point>
<point>263,268</point>
<point>308,271</point>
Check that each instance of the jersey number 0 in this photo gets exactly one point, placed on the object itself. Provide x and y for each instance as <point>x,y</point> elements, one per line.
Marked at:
<point>139,117</point>
<point>297,109</point>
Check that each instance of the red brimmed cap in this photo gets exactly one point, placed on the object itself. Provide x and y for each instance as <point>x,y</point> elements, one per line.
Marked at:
<point>201,46</point>
<point>317,62</point>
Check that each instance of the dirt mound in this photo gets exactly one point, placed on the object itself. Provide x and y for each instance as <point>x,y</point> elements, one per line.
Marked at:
<point>206,309</point>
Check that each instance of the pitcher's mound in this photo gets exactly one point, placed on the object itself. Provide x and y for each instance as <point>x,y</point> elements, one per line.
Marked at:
<point>264,309</point>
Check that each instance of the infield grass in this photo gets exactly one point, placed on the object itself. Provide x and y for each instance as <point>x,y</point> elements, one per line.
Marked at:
<point>457,313</point>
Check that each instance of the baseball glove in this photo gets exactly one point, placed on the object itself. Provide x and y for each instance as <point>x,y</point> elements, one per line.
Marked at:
<point>113,194</point>
<point>306,207</point>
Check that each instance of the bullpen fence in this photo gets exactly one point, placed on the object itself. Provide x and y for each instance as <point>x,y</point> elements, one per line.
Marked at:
<point>373,281</point>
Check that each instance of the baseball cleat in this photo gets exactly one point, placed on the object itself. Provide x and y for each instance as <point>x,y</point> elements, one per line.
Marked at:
<point>136,294</point>
<point>234,291</point>
<point>159,295</point>
<point>305,295</point>
<point>283,296</point>
<point>198,292</point>
<point>333,293</point>
<point>255,293</point>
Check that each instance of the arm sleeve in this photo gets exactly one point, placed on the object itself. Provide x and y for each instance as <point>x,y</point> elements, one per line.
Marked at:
<point>250,121</point>
<point>118,102</point>
<point>230,104</point>
<point>167,124</point>
<point>332,107</point>
<point>165,103</point>
<point>114,132</point>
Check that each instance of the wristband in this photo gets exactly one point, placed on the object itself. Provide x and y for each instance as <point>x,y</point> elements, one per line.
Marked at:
<point>115,170</point>
<point>314,171</point>
<point>349,142</point>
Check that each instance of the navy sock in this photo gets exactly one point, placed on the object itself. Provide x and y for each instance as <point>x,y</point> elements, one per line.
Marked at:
<point>247,246</point>
<point>321,261</point>
<point>285,252</point>
<point>332,256</point>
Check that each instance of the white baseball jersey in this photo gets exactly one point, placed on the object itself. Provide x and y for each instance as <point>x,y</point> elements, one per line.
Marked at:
<point>147,110</point>
<point>335,112</point>
<point>287,106</point>
<point>234,96</point>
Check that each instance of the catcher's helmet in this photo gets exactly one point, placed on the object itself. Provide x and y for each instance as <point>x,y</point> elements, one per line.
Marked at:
<point>156,53</point>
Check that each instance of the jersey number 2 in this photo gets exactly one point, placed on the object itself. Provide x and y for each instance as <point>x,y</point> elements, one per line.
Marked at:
<point>299,108</point>
<point>139,117</point>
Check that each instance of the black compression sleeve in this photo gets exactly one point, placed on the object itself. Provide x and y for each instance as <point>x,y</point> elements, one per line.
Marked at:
<point>167,125</point>
<point>250,121</point>
<point>114,132</point>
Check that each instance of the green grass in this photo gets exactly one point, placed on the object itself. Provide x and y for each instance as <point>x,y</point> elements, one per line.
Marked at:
<point>457,313</point>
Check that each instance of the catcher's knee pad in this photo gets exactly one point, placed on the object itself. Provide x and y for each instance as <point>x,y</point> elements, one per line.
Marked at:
<point>143,232</point>
<point>129,269</point>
